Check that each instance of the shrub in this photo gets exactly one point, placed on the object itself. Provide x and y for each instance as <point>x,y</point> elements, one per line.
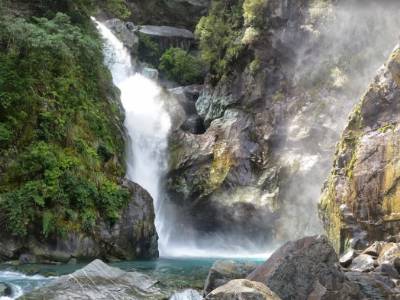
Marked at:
<point>220,34</point>
<point>178,65</point>
<point>57,133</point>
<point>253,12</point>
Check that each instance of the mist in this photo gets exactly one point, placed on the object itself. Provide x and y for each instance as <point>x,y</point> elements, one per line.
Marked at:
<point>347,43</point>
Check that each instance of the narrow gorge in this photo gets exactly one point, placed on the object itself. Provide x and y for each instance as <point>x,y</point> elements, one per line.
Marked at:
<point>199,149</point>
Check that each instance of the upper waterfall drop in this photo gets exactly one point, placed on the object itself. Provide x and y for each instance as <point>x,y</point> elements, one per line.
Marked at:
<point>147,124</point>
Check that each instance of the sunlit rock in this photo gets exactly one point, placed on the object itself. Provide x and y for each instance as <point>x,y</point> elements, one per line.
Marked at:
<point>242,289</point>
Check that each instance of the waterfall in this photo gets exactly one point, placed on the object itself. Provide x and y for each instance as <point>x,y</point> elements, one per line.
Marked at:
<point>147,125</point>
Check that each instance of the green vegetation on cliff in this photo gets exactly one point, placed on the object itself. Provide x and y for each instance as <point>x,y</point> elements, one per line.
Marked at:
<point>180,66</point>
<point>220,34</point>
<point>60,138</point>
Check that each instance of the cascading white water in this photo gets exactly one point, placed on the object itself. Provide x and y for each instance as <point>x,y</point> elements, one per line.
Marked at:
<point>146,122</point>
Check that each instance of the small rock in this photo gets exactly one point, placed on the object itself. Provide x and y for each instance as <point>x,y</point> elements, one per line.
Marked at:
<point>389,252</point>
<point>5,290</point>
<point>242,289</point>
<point>27,259</point>
<point>363,263</point>
<point>387,270</point>
<point>222,271</point>
<point>374,250</point>
<point>346,259</point>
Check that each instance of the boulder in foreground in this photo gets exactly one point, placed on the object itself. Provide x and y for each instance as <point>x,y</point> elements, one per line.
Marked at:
<point>242,289</point>
<point>306,269</point>
<point>98,281</point>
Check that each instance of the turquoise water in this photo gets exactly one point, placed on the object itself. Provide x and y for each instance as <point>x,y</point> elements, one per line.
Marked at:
<point>172,274</point>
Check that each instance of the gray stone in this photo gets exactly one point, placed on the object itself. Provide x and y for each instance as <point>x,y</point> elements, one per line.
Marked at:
<point>242,289</point>
<point>363,263</point>
<point>387,270</point>
<point>223,271</point>
<point>305,269</point>
<point>98,281</point>
<point>5,290</point>
<point>194,124</point>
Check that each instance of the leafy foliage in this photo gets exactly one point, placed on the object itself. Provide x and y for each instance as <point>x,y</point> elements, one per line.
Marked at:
<point>60,144</point>
<point>252,12</point>
<point>220,34</point>
<point>178,65</point>
<point>148,50</point>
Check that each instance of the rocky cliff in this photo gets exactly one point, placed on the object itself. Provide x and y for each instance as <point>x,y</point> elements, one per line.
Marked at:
<point>279,88</point>
<point>360,203</point>
<point>62,164</point>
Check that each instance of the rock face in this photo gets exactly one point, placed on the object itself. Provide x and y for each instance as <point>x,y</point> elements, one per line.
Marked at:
<point>183,13</point>
<point>99,281</point>
<point>272,121</point>
<point>223,271</point>
<point>242,289</point>
<point>133,236</point>
<point>360,201</point>
<point>306,269</point>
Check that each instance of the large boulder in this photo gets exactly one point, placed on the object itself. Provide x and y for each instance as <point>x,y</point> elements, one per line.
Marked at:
<point>223,271</point>
<point>242,289</point>
<point>133,236</point>
<point>360,200</point>
<point>101,282</point>
<point>306,269</point>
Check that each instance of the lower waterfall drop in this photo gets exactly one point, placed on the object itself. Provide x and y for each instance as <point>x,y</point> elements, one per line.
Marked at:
<point>147,125</point>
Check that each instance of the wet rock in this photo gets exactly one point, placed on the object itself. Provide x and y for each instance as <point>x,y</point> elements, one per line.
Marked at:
<point>223,271</point>
<point>368,182</point>
<point>363,263</point>
<point>101,282</point>
<point>242,289</point>
<point>5,290</point>
<point>305,269</point>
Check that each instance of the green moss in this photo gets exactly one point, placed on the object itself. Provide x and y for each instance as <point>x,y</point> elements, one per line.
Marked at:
<point>59,133</point>
<point>386,128</point>
<point>253,12</point>
<point>254,66</point>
